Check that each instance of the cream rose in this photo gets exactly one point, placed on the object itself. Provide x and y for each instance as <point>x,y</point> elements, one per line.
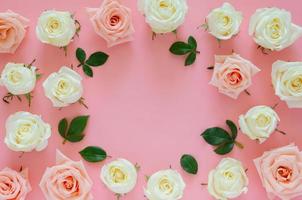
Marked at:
<point>14,185</point>
<point>18,79</point>
<point>163,16</point>
<point>259,122</point>
<point>26,132</point>
<point>120,176</point>
<point>112,21</point>
<point>165,185</point>
<point>228,180</point>
<point>63,87</point>
<point>280,172</point>
<point>224,22</point>
<point>272,28</point>
<point>233,74</point>
<point>287,81</point>
<point>12,31</point>
<point>56,28</point>
<point>67,180</point>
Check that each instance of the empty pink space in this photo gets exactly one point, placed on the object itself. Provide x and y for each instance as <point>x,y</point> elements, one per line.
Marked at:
<point>144,105</point>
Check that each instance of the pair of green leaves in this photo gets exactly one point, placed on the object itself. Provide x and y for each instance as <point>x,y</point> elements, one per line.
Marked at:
<point>93,154</point>
<point>94,60</point>
<point>221,139</point>
<point>189,164</point>
<point>183,48</point>
<point>74,131</point>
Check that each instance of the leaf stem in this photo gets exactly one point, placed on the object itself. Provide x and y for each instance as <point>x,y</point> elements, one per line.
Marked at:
<point>280,131</point>
<point>196,51</point>
<point>238,144</point>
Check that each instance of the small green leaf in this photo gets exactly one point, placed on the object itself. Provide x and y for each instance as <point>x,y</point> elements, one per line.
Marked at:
<point>62,128</point>
<point>81,55</point>
<point>192,42</point>
<point>189,164</point>
<point>190,59</point>
<point>93,154</point>
<point>225,148</point>
<point>78,125</point>
<point>233,128</point>
<point>38,76</point>
<point>97,59</point>
<point>180,48</point>
<point>216,136</point>
<point>87,70</point>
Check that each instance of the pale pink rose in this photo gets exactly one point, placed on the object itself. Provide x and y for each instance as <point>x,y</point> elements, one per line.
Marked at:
<point>12,31</point>
<point>280,171</point>
<point>14,185</point>
<point>112,21</point>
<point>233,74</point>
<point>67,180</point>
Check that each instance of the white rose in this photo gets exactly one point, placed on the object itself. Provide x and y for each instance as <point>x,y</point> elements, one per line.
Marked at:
<point>26,132</point>
<point>228,180</point>
<point>165,185</point>
<point>120,176</point>
<point>63,87</point>
<point>272,28</point>
<point>163,16</point>
<point>18,79</point>
<point>287,81</point>
<point>224,22</point>
<point>259,122</point>
<point>56,28</point>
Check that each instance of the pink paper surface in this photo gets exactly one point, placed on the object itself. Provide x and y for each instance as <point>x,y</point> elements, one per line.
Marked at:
<point>146,106</point>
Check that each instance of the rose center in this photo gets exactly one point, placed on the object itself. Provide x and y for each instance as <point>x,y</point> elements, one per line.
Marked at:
<point>15,76</point>
<point>68,183</point>
<point>23,130</point>
<point>117,175</point>
<point>296,84</point>
<point>228,175</point>
<point>234,78</point>
<point>114,20</point>
<point>53,25</point>
<point>275,28</point>
<point>263,120</point>
<point>285,174</point>
<point>166,186</point>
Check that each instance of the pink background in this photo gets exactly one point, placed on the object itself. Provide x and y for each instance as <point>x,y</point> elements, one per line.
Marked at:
<point>144,104</point>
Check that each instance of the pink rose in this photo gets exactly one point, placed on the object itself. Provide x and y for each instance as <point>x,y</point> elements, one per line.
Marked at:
<point>14,185</point>
<point>12,31</point>
<point>68,180</point>
<point>280,172</point>
<point>112,21</point>
<point>233,74</point>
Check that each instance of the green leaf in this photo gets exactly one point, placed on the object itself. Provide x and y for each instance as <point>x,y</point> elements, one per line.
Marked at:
<point>180,48</point>
<point>78,125</point>
<point>225,148</point>
<point>93,154</point>
<point>192,42</point>
<point>233,128</point>
<point>216,136</point>
<point>87,70</point>
<point>97,59</point>
<point>62,128</point>
<point>190,59</point>
<point>189,164</point>
<point>81,55</point>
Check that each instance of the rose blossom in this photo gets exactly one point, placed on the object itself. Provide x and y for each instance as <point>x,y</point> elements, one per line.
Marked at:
<point>112,21</point>
<point>14,185</point>
<point>163,16</point>
<point>224,22</point>
<point>233,74</point>
<point>272,28</point>
<point>280,172</point>
<point>67,180</point>
<point>259,123</point>
<point>12,31</point>
<point>228,180</point>
<point>287,81</point>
